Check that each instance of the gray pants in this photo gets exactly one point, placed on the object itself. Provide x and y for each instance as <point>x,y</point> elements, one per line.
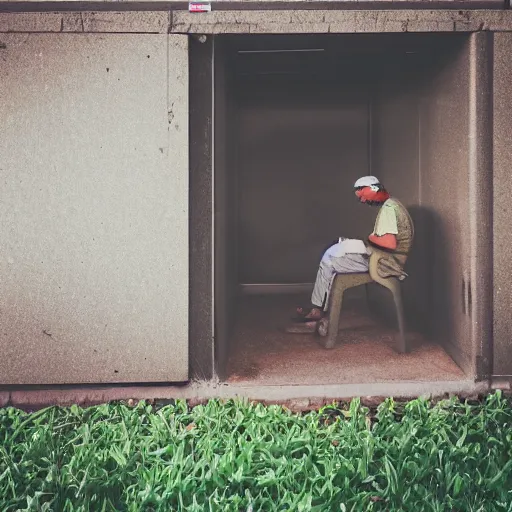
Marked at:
<point>330,265</point>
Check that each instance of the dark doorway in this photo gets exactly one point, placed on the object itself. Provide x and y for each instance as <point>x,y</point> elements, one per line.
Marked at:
<point>298,120</point>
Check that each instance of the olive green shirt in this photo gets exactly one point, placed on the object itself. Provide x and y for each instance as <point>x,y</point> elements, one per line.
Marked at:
<point>393,218</point>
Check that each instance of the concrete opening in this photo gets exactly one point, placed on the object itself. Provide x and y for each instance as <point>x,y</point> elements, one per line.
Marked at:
<point>297,120</point>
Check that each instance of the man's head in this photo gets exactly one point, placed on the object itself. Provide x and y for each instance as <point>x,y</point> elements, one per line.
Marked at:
<point>369,190</point>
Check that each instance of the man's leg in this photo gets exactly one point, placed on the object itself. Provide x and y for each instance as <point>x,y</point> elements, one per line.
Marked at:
<point>346,264</point>
<point>330,265</point>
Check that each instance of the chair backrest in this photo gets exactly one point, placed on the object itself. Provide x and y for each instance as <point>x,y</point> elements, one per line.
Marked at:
<point>375,256</point>
<point>399,259</point>
<point>411,223</point>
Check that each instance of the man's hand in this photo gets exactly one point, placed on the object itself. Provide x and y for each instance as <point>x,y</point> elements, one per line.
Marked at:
<point>387,241</point>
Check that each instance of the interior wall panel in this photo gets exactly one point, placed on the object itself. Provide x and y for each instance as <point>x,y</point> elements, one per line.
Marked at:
<point>301,148</point>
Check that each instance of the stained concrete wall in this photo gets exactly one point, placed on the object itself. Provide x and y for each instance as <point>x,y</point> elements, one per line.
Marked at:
<point>444,193</point>
<point>502,193</point>
<point>94,208</point>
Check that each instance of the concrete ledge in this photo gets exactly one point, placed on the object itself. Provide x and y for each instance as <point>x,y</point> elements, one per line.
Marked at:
<point>86,22</point>
<point>280,4</point>
<point>258,21</point>
<point>202,391</point>
<point>4,398</point>
<point>339,21</point>
<point>27,399</point>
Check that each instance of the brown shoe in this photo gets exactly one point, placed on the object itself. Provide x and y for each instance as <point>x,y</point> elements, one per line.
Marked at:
<point>311,314</point>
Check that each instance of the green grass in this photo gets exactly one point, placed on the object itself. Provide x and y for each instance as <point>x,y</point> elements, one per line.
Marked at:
<point>234,456</point>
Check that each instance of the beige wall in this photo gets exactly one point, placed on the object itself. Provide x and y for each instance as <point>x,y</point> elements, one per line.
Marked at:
<point>93,202</point>
<point>502,195</point>
<point>302,143</point>
<point>444,197</point>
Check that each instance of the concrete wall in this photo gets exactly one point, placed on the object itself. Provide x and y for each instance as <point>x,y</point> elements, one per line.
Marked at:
<point>444,199</point>
<point>340,21</point>
<point>502,193</point>
<point>94,208</point>
<point>302,143</point>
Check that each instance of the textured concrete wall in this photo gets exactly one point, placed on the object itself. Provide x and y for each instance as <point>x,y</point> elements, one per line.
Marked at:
<point>502,194</point>
<point>444,192</point>
<point>339,21</point>
<point>87,22</point>
<point>480,178</point>
<point>94,208</point>
<point>260,21</point>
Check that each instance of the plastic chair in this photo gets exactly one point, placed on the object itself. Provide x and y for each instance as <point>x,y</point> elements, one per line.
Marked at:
<point>328,327</point>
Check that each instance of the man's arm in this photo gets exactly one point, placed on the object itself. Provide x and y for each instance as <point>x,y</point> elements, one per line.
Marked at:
<point>386,229</point>
<point>387,241</point>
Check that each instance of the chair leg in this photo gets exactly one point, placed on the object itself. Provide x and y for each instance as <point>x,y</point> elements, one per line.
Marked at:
<point>397,296</point>
<point>335,304</point>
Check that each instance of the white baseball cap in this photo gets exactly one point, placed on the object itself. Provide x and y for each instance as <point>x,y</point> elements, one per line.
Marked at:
<point>366,181</point>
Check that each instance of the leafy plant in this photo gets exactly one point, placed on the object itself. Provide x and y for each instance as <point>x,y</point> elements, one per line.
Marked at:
<point>237,456</point>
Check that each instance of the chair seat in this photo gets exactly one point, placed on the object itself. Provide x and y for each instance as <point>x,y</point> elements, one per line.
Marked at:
<point>352,280</point>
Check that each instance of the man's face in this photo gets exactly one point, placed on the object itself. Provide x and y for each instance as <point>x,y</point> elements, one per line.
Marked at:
<point>359,195</point>
<point>371,195</point>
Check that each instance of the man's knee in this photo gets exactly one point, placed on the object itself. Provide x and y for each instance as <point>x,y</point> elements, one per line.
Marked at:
<point>326,249</point>
<point>326,264</point>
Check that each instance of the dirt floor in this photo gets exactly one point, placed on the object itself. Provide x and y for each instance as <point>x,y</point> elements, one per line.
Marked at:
<point>264,354</point>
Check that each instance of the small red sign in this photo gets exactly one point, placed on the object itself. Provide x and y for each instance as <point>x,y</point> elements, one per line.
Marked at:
<point>199,7</point>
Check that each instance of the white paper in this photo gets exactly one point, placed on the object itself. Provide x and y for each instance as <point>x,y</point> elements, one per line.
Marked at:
<point>353,246</point>
<point>348,246</point>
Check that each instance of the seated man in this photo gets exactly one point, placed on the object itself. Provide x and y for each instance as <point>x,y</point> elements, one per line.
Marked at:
<point>392,233</point>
